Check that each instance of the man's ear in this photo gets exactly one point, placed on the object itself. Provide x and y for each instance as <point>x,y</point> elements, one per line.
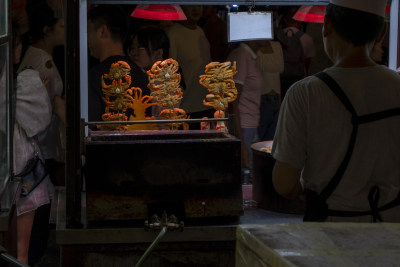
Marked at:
<point>328,28</point>
<point>103,30</point>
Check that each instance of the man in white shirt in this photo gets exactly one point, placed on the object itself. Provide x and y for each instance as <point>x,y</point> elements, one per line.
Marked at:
<point>340,144</point>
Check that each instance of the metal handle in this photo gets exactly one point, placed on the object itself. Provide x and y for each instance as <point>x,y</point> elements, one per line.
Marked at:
<point>154,121</point>
<point>152,246</point>
<point>10,259</point>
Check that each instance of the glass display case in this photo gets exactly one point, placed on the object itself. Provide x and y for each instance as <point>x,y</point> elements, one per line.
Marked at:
<point>77,73</point>
<point>72,227</point>
<point>76,84</point>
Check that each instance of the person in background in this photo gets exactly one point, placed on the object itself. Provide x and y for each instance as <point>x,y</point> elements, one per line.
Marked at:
<point>215,30</point>
<point>33,114</point>
<point>46,31</point>
<point>107,30</point>
<point>270,63</point>
<point>190,47</point>
<point>298,69</point>
<point>347,175</point>
<point>246,108</point>
<point>149,45</point>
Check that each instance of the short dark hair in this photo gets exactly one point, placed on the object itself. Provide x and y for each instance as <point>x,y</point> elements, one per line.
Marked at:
<point>153,38</point>
<point>354,26</point>
<point>40,15</point>
<point>113,17</point>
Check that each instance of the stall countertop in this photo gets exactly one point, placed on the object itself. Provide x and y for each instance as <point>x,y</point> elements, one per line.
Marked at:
<point>319,244</point>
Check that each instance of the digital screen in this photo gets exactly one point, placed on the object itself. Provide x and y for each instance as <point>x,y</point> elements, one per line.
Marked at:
<point>249,26</point>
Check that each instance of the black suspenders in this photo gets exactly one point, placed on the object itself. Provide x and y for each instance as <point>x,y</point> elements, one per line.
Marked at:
<point>319,211</point>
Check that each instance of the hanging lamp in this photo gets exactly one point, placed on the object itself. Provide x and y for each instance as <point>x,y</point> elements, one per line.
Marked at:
<point>159,12</point>
<point>310,14</point>
<point>315,14</point>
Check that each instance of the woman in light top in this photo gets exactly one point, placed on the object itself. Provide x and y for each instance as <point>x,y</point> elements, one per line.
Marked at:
<point>46,32</point>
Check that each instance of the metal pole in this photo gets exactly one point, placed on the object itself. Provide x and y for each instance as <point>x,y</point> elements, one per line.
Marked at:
<point>152,246</point>
<point>72,86</point>
<point>83,61</point>
<point>154,121</point>
<point>394,34</point>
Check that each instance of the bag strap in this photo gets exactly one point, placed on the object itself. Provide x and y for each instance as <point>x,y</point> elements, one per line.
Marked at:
<point>335,88</point>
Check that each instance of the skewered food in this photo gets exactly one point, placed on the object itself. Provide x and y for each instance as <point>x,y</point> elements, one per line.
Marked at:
<point>118,98</point>
<point>218,79</point>
<point>164,82</point>
<point>175,114</point>
<point>119,77</point>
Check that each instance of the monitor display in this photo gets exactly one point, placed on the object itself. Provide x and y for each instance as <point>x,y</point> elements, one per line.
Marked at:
<point>244,26</point>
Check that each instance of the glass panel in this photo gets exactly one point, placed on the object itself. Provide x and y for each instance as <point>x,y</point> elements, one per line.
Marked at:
<point>4,168</point>
<point>3,18</point>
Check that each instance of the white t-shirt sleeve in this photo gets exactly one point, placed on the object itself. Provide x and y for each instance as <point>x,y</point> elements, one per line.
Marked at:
<point>291,134</point>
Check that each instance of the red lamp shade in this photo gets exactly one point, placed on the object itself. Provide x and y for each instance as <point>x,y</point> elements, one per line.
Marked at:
<point>159,12</point>
<point>310,14</point>
<point>315,13</point>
